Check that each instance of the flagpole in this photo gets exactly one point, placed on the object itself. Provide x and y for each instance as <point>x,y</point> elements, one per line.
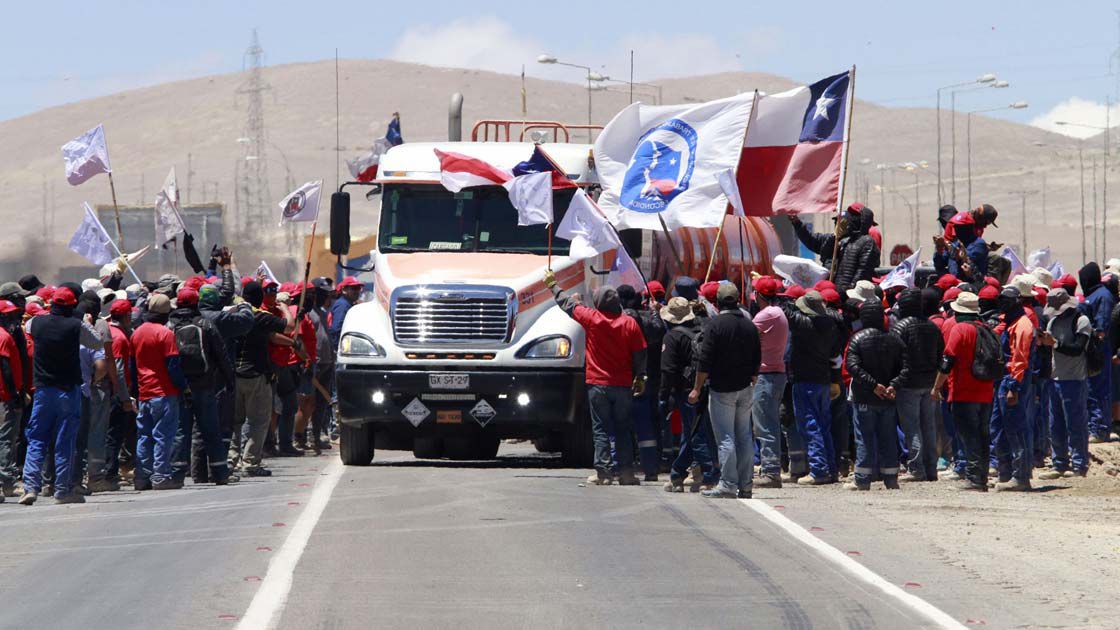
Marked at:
<point>550,247</point>
<point>120,256</point>
<point>116,211</point>
<point>307,267</point>
<point>742,260</point>
<point>843,169</point>
<point>719,233</point>
<point>672,246</point>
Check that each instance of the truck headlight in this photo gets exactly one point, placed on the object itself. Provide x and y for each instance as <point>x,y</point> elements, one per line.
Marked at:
<point>358,345</point>
<point>550,347</point>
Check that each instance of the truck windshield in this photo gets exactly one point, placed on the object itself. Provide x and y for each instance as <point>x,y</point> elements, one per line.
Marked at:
<point>431,218</point>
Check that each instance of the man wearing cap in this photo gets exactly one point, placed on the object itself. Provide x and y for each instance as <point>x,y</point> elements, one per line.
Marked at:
<point>11,400</point>
<point>288,360</point>
<point>323,375</point>
<point>1067,334</point>
<point>824,244</point>
<point>656,292</point>
<point>678,373</point>
<point>206,367</point>
<point>349,291</point>
<point>615,373</point>
<point>815,348</point>
<point>860,256</point>
<point>160,382</point>
<point>970,398</point>
<point>57,404</point>
<point>653,331</point>
<point>12,434</point>
<point>773,332</point>
<point>965,255</point>
<point>1098,306</point>
<point>730,355</point>
<point>121,433</point>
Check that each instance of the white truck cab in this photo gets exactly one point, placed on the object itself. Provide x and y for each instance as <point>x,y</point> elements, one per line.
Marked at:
<point>462,345</point>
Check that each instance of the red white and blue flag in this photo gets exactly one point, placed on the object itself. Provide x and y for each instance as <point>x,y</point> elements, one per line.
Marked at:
<point>793,153</point>
<point>529,183</point>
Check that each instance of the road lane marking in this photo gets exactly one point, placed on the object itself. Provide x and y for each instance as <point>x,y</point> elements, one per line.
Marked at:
<point>264,611</point>
<point>936,616</point>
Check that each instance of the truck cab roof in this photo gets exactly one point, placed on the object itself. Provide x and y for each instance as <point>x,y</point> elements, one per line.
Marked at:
<point>416,162</point>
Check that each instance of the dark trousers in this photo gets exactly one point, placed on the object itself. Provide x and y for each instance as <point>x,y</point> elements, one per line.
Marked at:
<point>198,413</point>
<point>972,421</point>
<point>120,441</point>
<point>10,414</point>
<point>696,446</point>
<point>200,458</point>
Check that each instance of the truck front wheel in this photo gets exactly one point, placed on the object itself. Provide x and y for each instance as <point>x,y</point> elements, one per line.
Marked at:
<point>355,444</point>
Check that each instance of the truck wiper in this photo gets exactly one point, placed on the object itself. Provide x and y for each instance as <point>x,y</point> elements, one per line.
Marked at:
<point>509,250</point>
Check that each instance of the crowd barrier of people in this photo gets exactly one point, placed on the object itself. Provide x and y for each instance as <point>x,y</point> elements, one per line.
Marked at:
<point>980,377</point>
<point>103,386</point>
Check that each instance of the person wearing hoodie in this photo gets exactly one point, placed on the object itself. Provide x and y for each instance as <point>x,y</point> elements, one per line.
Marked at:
<point>814,366</point>
<point>12,391</point>
<point>1010,428</point>
<point>1067,334</point>
<point>206,366</point>
<point>875,361</point>
<point>232,322</point>
<point>860,254</point>
<point>773,331</point>
<point>823,244</point>
<point>615,373</point>
<point>1098,305</point>
<point>57,403</point>
<point>653,331</point>
<point>917,411</point>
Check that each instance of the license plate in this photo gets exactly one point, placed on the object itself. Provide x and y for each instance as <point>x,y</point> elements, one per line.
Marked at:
<point>449,416</point>
<point>449,381</point>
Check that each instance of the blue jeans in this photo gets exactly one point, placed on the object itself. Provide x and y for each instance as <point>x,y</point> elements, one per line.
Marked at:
<point>1100,400</point>
<point>917,414</point>
<point>199,409</point>
<point>767,423</point>
<point>647,434</point>
<point>1069,429</point>
<point>1013,451</point>
<point>876,442</point>
<point>695,446</point>
<point>814,423</point>
<point>610,418</point>
<point>55,416</point>
<point>731,422</point>
<point>156,425</point>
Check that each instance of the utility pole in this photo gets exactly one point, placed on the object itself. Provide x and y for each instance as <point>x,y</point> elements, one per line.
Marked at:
<point>1096,224</point>
<point>1104,176</point>
<point>1023,220</point>
<point>1081,162</point>
<point>1044,199</point>
<point>190,174</point>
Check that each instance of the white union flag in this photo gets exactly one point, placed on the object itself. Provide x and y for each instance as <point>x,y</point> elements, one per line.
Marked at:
<point>91,241</point>
<point>302,204</point>
<point>586,227</point>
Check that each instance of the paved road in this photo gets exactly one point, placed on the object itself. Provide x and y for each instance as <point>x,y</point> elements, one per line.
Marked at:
<point>507,544</point>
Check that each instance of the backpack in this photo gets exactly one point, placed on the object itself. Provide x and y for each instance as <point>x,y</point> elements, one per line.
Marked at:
<point>987,358</point>
<point>695,338</point>
<point>192,349</point>
<point>1094,354</point>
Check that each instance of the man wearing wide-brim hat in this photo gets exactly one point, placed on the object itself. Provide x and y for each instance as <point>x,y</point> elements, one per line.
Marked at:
<point>678,372</point>
<point>970,398</point>
<point>1068,332</point>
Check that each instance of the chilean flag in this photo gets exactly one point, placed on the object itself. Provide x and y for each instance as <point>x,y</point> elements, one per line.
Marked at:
<point>458,171</point>
<point>794,150</point>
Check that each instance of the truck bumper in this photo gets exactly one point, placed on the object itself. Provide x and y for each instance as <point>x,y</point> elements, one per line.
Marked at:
<point>555,400</point>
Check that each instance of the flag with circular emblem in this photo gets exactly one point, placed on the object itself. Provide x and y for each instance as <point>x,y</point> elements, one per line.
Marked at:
<point>302,204</point>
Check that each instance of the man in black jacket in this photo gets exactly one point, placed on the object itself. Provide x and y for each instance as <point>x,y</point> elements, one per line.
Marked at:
<point>861,255</point>
<point>653,330</point>
<point>207,367</point>
<point>814,369</point>
<point>917,411</point>
<point>730,355</point>
<point>678,372</point>
<point>875,362</point>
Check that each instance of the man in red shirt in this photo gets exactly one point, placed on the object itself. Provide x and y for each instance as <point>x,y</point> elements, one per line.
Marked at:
<point>615,372</point>
<point>122,418</point>
<point>970,398</point>
<point>11,398</point>
<point>159,381</point>
<point>287,359</point>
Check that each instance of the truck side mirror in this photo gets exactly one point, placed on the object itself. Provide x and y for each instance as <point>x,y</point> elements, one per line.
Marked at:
<point>340,223</point>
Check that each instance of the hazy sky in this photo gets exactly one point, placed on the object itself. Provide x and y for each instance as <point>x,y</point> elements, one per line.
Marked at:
<point>1056,55</point>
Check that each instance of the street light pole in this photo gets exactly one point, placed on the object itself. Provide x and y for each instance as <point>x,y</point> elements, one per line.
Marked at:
<point>1023,219</point>
<point>984,79</point>
<point>551,60</point>
<point>968,134</point>
<point>988,80</point>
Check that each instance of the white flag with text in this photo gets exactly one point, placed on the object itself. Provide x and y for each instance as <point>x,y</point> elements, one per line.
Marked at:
<point>302,204</point>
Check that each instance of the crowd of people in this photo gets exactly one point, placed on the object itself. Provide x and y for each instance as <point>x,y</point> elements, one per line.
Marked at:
<point>208,376</point>
<point>970,373</point>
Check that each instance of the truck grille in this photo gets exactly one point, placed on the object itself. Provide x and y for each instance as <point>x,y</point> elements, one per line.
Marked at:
<point>452,314</point>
